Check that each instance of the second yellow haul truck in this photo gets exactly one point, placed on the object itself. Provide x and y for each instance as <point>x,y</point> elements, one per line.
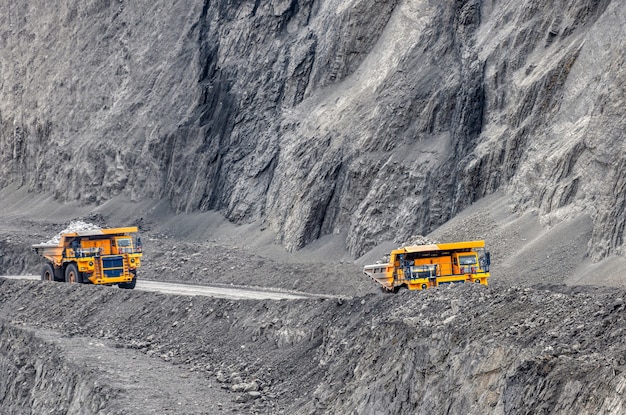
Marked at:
<point>420,267</point>
<point>96,256</point>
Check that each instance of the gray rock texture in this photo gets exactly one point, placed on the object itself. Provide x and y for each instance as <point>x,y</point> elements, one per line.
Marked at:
<point>455,350</point>
<point>36,379</point>
<point>373,120</point>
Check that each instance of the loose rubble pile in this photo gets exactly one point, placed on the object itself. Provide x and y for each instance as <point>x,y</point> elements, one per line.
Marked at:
<point>74,226</point>
<point>415,240</point>
<point>412,241</point>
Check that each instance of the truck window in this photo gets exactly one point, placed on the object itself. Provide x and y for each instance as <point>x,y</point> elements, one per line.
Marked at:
<point>467,259</point>
<point>123,242</point>
<point>124,245</point>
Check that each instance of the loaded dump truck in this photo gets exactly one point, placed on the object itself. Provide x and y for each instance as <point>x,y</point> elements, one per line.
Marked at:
<point>420,267</point>
<point>93,256</point>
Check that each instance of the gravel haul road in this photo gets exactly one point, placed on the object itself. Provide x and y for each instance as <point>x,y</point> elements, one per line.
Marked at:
<point>234,293</point>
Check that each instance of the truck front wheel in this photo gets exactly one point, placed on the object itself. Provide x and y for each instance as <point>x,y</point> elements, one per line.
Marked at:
<point>71,274</point>
<point>129,285</point>
<point>47,273</point>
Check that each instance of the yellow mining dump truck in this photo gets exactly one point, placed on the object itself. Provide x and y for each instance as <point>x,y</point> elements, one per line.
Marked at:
<point>97,256</point>
<point>420,267</point>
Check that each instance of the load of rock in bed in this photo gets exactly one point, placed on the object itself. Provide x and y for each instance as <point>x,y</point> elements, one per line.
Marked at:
<point>465,349</point>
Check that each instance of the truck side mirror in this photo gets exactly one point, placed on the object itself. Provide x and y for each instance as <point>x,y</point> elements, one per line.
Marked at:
<point>488,258</point>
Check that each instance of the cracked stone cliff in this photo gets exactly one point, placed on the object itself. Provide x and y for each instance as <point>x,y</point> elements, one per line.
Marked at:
<point>367,120</point>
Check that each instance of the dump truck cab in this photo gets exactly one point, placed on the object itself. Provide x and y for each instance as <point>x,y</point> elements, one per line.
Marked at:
<point>464,261</point>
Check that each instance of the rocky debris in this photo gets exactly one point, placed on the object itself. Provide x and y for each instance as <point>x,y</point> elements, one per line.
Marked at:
<point>16,240</point>
<point>37,379</point>
<point>312,119</point>
<point>207,262</point>
<point>552,349</point>
<point>412,241</point>
<point>56,374</point>
<point>416,240</point>
<point>245,387</point>
<point>74,226</point>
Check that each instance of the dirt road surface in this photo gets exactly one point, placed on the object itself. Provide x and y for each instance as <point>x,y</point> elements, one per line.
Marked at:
<point>234,293</point>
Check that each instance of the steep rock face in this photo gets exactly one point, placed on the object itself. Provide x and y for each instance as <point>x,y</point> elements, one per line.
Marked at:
<point>422,357</point>
<point>36,379</point>
<point>377,121</point>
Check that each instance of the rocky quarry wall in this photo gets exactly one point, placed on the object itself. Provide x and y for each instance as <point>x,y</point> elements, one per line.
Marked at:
<point>373,120</point>
<point>37,379</point>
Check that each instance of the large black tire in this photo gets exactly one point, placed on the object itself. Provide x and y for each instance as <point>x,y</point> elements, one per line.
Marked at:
<point>59,276</point>
<point>47,272</point>
<point>129,285</point>
<point>72,275</point>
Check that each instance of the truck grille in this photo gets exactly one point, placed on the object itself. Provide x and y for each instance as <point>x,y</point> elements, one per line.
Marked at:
<point>113,266</point>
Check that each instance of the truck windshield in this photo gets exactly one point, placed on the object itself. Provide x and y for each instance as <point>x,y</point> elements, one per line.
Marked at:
<point>467,260</point>
<point>124,245</point>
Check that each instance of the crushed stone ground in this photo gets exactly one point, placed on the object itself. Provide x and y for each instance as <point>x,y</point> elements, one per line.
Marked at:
<point>555,349</point>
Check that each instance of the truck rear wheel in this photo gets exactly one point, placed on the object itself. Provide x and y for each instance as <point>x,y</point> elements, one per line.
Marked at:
<point>47,272</point>
<point>71,274</point>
